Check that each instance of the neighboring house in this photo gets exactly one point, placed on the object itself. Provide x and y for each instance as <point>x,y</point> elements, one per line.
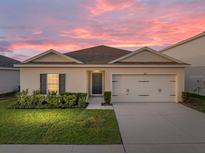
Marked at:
<point>141,76</point>
<point>191,51</point>
<point>9,76</point>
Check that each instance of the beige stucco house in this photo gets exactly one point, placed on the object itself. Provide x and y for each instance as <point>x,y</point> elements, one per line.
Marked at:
<point>141,76</point>
<point>192,51</point>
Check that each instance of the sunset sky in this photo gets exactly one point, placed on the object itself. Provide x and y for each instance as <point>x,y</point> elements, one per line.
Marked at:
<point>29,27</point>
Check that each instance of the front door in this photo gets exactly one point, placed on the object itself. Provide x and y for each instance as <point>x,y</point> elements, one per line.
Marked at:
<point>96,83</point>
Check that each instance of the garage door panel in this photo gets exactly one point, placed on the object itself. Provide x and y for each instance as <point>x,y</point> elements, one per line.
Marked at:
<point>144,88</point>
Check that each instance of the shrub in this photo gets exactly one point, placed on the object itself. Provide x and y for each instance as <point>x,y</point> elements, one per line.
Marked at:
<point>23,99</point>
<point>53,99</point>
<point>185,96</point>
<point>93,122</point>
<point>107,97</point>
<point>73,94</point>
<point>65,93</point>
<point>69,100</point>
<point>52,93</point>
<point>78,96</point>
<point>81,99</point>
<point>192,98</point>
<point>36,97</point>
<point>21,96</point>
<point>36,92</point>
<point>82,102</point>
<point>42,100</point>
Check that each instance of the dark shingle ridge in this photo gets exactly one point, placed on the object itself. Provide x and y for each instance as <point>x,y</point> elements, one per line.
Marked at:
<point>98,55</point>
<point>7,62</point>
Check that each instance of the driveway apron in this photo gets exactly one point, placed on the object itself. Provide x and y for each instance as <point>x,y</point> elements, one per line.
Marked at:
<point>160,127</point>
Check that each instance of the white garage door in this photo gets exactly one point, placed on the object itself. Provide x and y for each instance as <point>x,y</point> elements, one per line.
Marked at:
<point>143,88</point>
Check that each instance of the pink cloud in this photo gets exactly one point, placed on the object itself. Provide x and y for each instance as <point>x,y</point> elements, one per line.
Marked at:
<point>119,23</point>
<point>99,7</point>
<point>84,33</point>
<point>37,32</point>
<point>45,46</point>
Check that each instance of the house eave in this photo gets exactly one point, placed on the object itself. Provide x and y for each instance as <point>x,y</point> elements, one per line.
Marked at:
<point>9,68</point>
<point>97,66</point>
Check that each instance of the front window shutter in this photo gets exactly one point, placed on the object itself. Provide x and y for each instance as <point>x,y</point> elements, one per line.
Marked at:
<point>62,81</point>
<point>43,83</point>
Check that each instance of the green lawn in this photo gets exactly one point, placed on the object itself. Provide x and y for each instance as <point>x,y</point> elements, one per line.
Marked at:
<point>56,126</point>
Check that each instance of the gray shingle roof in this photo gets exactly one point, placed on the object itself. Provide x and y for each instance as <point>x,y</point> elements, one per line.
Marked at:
<point>97,55</point>
<point>7,62</point>
<point>102,55</point>
<point>149,63</point>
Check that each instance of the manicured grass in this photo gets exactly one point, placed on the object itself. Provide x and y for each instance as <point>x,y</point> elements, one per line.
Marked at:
<point>56,126</point>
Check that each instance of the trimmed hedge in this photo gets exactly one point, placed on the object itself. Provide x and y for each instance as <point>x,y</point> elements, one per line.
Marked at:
<point>107,97</point>
<point>189,97</point>
<point>52,100</point>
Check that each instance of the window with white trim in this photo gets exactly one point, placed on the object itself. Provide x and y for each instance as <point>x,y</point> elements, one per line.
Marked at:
<point>53,83</point>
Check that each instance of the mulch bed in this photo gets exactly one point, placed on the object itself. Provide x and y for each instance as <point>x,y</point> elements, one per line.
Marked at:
<point>195,105</point>
<point>191,105</point>
<point>7,95</point>
<point>106,104</point>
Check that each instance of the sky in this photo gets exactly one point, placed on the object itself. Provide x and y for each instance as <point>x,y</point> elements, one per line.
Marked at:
<point>30,27</point>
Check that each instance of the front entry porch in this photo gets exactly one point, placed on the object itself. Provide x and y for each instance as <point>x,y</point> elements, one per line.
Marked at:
<point>95,103</point>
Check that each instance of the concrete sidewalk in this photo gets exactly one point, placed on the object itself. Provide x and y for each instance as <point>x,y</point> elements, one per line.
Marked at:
<point>95,103</point>
<point>17,148</point>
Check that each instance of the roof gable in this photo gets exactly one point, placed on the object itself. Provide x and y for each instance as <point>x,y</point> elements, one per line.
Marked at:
<point>145,55</point>
<point>51,56</point>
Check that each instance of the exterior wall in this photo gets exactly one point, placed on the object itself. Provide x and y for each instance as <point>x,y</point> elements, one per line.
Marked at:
<point>77,78</point>
<point>52,58</point>
<point>193,53</point>
<point>195,80</point>
<point>145,56</point>
<point>9,81</point>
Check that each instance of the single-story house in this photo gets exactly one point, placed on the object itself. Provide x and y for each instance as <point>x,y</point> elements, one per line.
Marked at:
<point>192,51</point>
<point>141,76</point>
<point>9,75</point>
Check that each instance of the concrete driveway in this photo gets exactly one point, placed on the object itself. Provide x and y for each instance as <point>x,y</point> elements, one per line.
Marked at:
<point>160,127</point>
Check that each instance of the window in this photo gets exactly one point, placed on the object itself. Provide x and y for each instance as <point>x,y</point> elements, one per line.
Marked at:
<point>53,82</point>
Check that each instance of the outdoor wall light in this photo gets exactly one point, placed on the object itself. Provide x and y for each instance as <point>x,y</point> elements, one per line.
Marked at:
<point>96,71</point>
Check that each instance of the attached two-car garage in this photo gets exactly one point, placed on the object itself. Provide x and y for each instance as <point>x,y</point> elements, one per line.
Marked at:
<point>144,88</point>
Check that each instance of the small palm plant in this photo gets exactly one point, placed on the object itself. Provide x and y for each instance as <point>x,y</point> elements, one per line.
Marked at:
<point>107,98</point>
